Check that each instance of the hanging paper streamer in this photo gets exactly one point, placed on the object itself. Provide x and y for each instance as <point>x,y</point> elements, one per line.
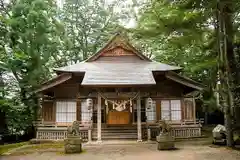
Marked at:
<point>119,105</point>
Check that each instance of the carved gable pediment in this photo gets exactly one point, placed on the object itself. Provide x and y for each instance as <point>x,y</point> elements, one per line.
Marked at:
<point>118,51</point>
<point>118,46</point>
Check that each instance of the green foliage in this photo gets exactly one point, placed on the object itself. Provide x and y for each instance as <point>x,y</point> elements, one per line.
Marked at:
<point>89,24</point>
<point>36,36</point>
<point>182,33</point>
<point>31,36</point>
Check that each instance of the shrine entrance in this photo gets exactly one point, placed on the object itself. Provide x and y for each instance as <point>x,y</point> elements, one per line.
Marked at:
<point>119,110</point>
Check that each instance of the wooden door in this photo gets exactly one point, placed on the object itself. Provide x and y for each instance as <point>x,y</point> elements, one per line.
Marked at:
<point>118,118</point>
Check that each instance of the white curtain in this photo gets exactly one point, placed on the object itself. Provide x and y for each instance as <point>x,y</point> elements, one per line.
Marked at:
<point>65,111</point>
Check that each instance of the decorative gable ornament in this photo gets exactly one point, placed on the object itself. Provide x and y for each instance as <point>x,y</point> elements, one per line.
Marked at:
<point>89,103</point>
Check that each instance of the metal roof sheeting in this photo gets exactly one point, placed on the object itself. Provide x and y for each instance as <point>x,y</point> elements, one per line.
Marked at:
<point>121,72</point>
<point>101,77</point>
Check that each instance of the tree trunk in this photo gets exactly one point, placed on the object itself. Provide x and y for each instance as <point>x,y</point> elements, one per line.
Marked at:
<point>225,48</point>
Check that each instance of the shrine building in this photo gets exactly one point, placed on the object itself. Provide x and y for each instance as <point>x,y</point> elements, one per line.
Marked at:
<point>118,93</point>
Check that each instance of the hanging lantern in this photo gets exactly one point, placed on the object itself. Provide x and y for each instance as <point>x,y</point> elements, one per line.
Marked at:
<point>89,103</point>
<point>130,102</point>
<point>149,103</point>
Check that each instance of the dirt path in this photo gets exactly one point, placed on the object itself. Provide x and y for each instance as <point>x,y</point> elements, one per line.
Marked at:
<point>185,151</point>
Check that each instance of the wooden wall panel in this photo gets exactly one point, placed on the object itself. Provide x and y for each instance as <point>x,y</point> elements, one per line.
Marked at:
<point>66,91</point>
<point>158,110</point>
<point>188,109</point>
<point>78,109</point>
<point>116,118</point>
<point>48,111</point>
<point>182,109</point>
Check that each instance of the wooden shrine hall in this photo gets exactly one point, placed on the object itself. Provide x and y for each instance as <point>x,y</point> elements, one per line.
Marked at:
<point>118,93</point>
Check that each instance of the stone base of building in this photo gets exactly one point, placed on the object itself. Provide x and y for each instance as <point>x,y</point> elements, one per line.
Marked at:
<point>73,144</point>
<point>165,142</point>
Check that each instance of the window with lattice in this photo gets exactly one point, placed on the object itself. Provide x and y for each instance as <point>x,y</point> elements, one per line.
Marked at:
<point>65,111</point>
<point>171,110</point>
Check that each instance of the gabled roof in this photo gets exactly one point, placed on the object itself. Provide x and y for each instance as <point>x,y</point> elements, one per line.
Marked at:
<point>119,63</point>
<point>115,66</point>
<point>118,72</point>
<point>117,41</point>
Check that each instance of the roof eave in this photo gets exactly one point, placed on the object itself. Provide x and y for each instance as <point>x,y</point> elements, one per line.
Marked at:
<point>54,81</point>
<point>116,85</point>
<point>185,81</point>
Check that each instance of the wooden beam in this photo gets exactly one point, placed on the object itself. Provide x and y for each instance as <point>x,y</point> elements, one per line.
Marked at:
<point>139,125</point>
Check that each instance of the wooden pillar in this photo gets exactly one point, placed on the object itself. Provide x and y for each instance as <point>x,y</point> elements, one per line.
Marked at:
<point>149,134</point>
<point>194,110</point>
<point>183,110</point>
<point>99,120</point>
<point>89,135</point>
<point>139,125</point>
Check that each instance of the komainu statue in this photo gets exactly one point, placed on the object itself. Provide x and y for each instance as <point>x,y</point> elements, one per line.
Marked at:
<point>164,127</point>
<point>165,140</point>
<point>74,129</point>
<point>73,142</point>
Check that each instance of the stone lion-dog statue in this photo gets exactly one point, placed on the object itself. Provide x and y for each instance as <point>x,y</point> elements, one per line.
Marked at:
<point>164,127</point>
<point>74,129</point>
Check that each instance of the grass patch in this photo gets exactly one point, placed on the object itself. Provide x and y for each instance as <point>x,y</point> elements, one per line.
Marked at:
<point>7,147</point>
<point>48,145</point>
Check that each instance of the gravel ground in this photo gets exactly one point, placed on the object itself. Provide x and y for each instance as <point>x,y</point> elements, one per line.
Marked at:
<point>186,151</point>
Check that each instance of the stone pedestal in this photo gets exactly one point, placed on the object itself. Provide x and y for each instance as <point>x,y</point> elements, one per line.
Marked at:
<point>165,141</point>
<point>73,144</point>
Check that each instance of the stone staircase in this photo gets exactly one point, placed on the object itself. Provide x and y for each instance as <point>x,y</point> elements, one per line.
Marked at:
<point>116,133</point>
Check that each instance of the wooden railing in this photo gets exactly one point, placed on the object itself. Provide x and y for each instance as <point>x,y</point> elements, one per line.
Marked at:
<point>41,123</point>
<point>57,134</point>
<point>179,132</point>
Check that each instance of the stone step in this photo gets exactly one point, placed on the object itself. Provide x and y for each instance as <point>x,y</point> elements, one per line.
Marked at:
<point>110,133</point>
<point>116,131</point>
<point>117,137</point>
<point>118,128</point>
